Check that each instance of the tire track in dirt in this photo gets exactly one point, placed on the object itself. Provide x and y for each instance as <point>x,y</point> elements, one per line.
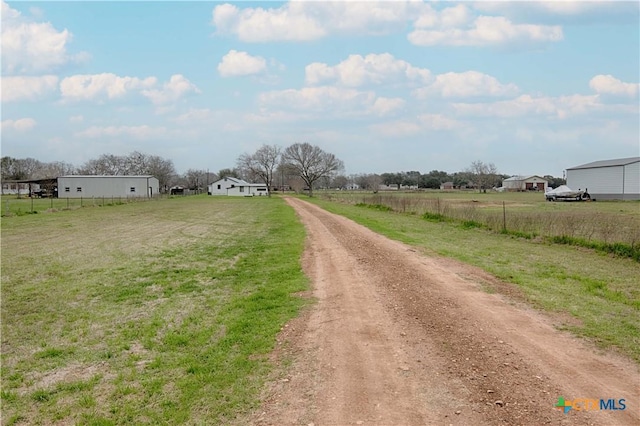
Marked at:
<point>399,338</point>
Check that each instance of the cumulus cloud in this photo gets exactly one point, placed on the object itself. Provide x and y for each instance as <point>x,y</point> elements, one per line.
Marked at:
<point>32,47</point>
<point>20,125</point>
<point>142,132</point>
<point>237,63</point>
<point>559,107</point>
<point>304,21</point>
<point>483,31</point>
<point>466,84</point>
<point>318,98</point>
<point>89,87</point>
<point>437,122</point>
<point>27,88</point>
<point>177,87</point>
<point>357,70</point>
<point>410,127</point>
<point>609,85</point>
<point>384,106</point>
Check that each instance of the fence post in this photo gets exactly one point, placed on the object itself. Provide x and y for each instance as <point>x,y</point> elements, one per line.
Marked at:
<point>31,204</point>
<point>52,202</point>
<point>504,217</point>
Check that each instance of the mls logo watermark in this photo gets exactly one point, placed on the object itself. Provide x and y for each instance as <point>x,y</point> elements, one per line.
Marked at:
<point>588,404</point>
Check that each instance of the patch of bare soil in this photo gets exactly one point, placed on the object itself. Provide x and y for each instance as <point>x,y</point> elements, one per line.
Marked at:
<point>400,338</point>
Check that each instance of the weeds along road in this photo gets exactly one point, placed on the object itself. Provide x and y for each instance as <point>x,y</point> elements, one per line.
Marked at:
<point>400,338</point>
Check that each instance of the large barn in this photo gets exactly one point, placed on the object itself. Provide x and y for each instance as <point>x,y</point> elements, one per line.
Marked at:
<point>87,186</point>
<point>617,179</point>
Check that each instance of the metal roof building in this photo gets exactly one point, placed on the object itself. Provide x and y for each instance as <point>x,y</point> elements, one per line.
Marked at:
<point>87,186</point>
<point>617,179</point>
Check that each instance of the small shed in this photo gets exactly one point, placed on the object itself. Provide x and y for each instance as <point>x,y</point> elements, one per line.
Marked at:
<point>617,179</point>
<point>87,186</point>
<point>236,187</point>
<point>525,183</point>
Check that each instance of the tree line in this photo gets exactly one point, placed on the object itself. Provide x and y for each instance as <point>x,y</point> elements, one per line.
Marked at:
<point>300,166</point>
<point>303,165</point>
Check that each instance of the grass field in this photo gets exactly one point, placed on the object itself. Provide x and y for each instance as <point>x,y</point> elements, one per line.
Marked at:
<point>164,312</point>
<point>147,313</point>
<point>10,205</point>
<point>611,226</point>
<point>594,295</point>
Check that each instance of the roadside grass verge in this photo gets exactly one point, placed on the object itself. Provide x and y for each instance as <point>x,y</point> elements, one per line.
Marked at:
<point>598,293</point>
<point>611,227</point>
<point>156,313</point>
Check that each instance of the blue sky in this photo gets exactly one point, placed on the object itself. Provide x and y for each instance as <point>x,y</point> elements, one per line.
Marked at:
<point>533,87</point>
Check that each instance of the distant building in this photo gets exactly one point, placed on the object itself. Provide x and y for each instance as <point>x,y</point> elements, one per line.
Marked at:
<point>525,183</point>
<point>617,179</point>
<point>446,185</point>
<point>237,188</point>
<point>87,186</point>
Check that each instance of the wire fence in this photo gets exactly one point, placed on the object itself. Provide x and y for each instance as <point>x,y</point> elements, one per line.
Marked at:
<point>14,206</point>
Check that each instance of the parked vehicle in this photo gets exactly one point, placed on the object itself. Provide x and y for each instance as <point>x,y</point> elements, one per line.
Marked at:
<point>564,193</point>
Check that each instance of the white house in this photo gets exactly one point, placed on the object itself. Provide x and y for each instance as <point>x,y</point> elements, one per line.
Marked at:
<point>237,188</point>
<point>525,183</point>
<point>617,179</point>
<point>87,186</point>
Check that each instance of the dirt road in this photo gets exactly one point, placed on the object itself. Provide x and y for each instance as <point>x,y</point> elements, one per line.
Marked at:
<point>400,338</point>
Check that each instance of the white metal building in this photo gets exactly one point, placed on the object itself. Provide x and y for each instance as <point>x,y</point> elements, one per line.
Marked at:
<point>617,179</point>
<point>525,183</point>
<point>237,188</point>
<point>87,186</point>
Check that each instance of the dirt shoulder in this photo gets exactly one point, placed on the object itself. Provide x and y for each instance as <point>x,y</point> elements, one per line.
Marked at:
<point>400,338</point>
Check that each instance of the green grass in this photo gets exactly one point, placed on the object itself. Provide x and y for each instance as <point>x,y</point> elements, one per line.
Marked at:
<point>160,312</point>
<point>610,227</point>
<point>598,291</point>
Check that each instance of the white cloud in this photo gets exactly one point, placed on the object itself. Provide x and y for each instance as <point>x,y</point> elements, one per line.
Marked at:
<point>485,31</point>
<point>437,122</point>
<point>237,63</point>
<point>321,98</point>
<point>99,86</point>
<point>609,85</point>
<point>177,87</point>
<point>398,128</point>
<point>385,106</point>
<point>329,100</point>
<point>20,125</point>
<point>137,132</point>
<point>450,17</point>
<point>421,123</point>
<point>466,84</point>
<point>357,70</point>
<point>560,107</point>
<point>27,88</point>
<point>303,21</point>
<point>32,47</point>
<point>76,119</point>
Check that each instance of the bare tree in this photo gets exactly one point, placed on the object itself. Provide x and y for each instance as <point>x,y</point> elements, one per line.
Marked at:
<point>162,169</point>
<point>195,179</point>
<point>311,163</point>
<point>223,173</point>
<point>261,164</point>
<point>483,173</point>
<point>369,182</point>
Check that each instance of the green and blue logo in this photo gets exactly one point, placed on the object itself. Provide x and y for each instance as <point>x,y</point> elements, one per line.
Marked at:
<point>588,404</point>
